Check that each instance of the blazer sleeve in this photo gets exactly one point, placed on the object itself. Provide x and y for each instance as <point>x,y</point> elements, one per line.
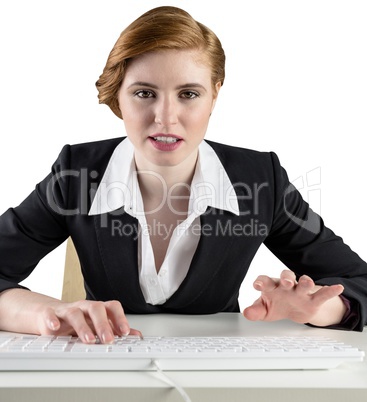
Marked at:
<point>36,227</point>
<point>300,239</point>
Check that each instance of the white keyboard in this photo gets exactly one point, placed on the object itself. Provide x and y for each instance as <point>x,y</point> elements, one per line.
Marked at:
<point>30,353</point>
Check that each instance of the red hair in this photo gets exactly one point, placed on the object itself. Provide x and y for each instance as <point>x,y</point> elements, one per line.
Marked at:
<point>161,28</point>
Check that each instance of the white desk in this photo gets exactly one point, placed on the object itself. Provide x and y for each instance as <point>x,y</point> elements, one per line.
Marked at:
<point>348,382</point>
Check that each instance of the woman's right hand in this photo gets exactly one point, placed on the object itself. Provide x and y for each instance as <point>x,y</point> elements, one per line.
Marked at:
<point>86,319</point>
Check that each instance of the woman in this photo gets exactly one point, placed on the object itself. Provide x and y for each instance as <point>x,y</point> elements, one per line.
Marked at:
<point>166,222</point>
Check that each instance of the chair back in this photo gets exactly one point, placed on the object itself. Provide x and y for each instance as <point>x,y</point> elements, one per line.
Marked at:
<point>73,284</point>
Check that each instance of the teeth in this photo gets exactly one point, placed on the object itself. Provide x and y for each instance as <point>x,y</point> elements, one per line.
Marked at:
<point>168,140</point>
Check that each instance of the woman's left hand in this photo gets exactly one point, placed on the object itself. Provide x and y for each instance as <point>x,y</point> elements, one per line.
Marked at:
<point>302,301</point>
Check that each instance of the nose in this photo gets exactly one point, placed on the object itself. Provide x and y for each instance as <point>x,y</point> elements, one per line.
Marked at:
<point>166,112</point>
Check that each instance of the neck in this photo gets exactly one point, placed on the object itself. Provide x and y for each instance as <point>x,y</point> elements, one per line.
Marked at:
<point>155,181</point>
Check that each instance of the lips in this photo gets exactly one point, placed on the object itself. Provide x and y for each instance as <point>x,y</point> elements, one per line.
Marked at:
<point>165,142</point>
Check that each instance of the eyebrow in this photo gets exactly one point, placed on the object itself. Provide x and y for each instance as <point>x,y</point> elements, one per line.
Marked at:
<point>148,85</point>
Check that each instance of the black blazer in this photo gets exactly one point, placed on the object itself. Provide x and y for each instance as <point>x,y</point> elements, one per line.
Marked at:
<point>272,212</point>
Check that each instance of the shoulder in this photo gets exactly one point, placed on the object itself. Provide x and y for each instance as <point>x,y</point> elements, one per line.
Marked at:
<point>239,161</point>
<point>91,155</point>
<point>95,150</point>
<point>226,152</point>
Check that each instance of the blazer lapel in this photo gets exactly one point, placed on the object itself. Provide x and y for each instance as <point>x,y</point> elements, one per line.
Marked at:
<point>208,258</point>
<point>117,235</point>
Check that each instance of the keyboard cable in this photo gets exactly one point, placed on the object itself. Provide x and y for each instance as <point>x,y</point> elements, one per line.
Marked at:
<point>169,381</point>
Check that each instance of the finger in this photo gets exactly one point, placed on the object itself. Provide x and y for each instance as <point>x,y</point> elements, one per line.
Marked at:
<point>49,322</point>
<point>288,279</point>
<point>326,293</point>
<point>74,317</point>
<point>52,322</point>
<point>117,316</point>
<point>305,285</point>
<point>264,283</point>
<point>256,312</point>
<point>98,314</point>
<point>136,333</point>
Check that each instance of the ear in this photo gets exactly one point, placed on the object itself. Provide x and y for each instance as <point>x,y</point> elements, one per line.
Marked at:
<point>218,86</point>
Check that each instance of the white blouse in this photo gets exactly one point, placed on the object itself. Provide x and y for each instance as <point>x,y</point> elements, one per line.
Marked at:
<point>119,187</point>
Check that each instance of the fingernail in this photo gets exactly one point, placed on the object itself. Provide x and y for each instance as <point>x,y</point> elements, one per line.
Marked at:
<point>258,284</point>
<point>125,330</point>
<point>107,338</point>
<point>53,324</point>
<point>89,338</point>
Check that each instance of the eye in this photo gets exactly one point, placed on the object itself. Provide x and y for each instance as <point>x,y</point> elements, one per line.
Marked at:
<point>144,94</point>
<point>189,94</point>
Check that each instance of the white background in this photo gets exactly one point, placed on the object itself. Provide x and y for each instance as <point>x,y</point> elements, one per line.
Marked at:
<point>296,84</point>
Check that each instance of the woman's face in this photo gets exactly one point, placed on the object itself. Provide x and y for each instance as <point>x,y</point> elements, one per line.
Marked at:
<point>166,99</point>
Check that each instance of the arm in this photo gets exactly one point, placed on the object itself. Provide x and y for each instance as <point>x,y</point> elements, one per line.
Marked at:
<point>27,233</point>
<point>300,239</point>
